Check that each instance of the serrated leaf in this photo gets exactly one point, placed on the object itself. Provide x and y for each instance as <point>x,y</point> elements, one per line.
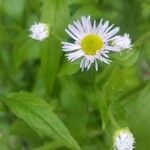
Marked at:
<point>118,83</point>
<point>40,116</point>
<point>120,80</point>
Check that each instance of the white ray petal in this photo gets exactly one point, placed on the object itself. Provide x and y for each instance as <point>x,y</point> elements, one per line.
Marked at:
<point>75,31</point>
<point>72,35</point>
<point>110,48</point>
<point>112,32</point>
<point>75,55</point>
<point>104,26</point>
<point>79,26</point>
<point>96,65</point>
<point>108,29</point>
<point>86,24</point>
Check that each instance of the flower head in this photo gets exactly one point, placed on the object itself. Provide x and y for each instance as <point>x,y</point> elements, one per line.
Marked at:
<point>122,42</point>
<point>91,42</point>
<point>123,140</point>
<point>39,31</point>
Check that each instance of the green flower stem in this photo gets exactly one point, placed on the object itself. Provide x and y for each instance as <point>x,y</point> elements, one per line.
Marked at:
<point>109,122</point>
<point>52,33</point>
<point>57,36</point>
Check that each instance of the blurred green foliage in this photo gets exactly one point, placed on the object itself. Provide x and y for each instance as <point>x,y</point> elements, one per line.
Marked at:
<point>89,105</point>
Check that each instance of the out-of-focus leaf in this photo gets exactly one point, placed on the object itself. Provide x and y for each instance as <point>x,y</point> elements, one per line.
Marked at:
<point>25,132</point>
<point>146,51</point>
<point>48,146</point>
<point>129,21</point>
<point>26,49</point>
<point>39,115</point>
<point>4,141</point>
<point>50,57</point>
<point>126,58</point>
<point>87,10</point>
<point>14,8</point>
<point>53,11</point>
<point>74,106</point>
<point>137,108</point>
<point>120,81</point>
<point>69,69</point>
<point>70,2</point>
<point>4,60</point>
<point>145,8</point>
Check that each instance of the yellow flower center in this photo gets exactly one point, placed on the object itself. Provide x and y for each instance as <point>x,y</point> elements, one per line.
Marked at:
<point>91,43</point>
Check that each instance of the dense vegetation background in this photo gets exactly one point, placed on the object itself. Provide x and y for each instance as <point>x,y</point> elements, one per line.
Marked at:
<point>89,104</point>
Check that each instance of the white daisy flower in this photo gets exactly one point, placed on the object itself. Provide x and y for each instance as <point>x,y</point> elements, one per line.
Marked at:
<point>122,42</point>
<point>123,140</point>
<point>91,42</point>
<point>39,31</point>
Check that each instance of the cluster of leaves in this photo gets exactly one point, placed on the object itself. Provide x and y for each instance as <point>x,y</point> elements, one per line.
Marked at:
<point>48,103</point>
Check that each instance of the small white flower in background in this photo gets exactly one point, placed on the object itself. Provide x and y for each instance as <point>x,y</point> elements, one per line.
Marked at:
<point>123,140</point>
<point>91,42</point>
<point>39,31</point>
<point>122,42</point>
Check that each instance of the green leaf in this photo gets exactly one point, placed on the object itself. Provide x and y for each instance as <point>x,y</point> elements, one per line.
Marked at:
<point>52,13</point>
<point>74,105</point>
<point>14,8</point>
<point>21,129</point>
<point>71,2</point>
<point>126,58</point>
<point>87,10</point>
<point>69,69</point>
<point>4,135</point>
<point>24,49</point>
<point>48,146</point>
<point>145,9</point>
<point>40,116</point>
<point>137,108</point>
<point>120,81</point>
<point>50,58</point>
